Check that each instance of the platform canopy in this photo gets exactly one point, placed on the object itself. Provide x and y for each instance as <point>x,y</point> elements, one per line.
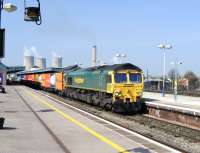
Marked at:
<point>3,67</point>
<point>3,73</point>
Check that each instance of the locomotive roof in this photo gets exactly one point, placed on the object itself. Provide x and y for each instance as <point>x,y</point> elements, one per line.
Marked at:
<point>114,67</point>
<point>71,68</point>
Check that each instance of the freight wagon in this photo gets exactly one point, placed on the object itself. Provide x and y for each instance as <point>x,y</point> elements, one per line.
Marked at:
<point>43,79</point>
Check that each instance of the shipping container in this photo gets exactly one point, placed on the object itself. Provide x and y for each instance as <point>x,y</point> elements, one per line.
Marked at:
<point>59,81</point>
<point>46,80</point>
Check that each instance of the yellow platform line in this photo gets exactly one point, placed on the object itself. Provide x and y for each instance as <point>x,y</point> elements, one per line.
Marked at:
<point>86,128</point>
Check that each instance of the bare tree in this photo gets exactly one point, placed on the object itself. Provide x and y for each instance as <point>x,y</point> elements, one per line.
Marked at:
<point>193,80</point>
<point>171,74</point>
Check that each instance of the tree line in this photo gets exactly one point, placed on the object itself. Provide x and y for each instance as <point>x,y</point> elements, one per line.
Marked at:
<point>190,76</point>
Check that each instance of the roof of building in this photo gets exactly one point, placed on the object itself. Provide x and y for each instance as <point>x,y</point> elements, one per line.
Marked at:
<point>14,69</point>
<point>156,80</point>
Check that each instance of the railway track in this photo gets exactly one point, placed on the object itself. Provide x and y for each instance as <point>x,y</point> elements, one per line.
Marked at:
<point>190,134</point>
<point>128,122</point>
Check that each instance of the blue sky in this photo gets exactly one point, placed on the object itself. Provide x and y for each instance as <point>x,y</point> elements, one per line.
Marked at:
<point>132,27</point>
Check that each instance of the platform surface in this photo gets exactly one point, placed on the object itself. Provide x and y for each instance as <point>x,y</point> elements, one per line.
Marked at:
<point>37,124</point>
<point>187,102</point>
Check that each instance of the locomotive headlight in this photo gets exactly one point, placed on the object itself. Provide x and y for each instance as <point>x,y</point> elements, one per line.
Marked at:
<point>117,93</point>
<point>139,93</point>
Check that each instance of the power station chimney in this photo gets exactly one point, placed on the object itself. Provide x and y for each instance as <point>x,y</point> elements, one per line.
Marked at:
<point>94,55</point>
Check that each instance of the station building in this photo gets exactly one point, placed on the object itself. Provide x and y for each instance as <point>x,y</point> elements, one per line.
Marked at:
<point>156,84</point>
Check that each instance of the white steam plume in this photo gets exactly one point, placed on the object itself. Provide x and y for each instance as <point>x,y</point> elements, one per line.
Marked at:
<point>35,52</point>
<point>27,52</point>
<point>54,54</point>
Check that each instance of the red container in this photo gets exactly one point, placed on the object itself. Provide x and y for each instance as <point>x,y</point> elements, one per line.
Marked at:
<point>46,80</point>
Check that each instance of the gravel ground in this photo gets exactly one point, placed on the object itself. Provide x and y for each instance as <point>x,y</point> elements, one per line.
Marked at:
<point>149,129</point>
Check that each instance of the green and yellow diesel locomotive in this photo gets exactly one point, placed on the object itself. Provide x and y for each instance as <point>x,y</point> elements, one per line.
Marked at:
<point>116,87</point>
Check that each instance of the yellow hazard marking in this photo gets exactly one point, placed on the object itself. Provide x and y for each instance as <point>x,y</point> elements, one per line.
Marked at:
<point>97,135</point>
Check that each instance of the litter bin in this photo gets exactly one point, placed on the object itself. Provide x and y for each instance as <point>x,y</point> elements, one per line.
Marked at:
<point>1,122</point>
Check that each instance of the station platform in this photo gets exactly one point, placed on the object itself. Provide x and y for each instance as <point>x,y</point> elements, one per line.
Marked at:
<point>37,124</point>
<point>184,104</point>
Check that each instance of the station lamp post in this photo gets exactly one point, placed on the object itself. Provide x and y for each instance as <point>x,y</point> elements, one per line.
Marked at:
<point>9,8</point>
<point>176,78</point>
<point>164,47</point>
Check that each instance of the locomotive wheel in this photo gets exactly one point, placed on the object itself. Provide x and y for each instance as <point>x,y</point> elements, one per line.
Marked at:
<point>108,106</point>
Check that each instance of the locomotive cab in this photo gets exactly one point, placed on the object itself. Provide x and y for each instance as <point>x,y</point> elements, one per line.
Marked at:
<point>126,86</point>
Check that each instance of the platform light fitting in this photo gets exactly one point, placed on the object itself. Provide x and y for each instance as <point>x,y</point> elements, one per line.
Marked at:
<point>168,46</point>
<point>123,55</point>
<point>9,7</point>
<point>32,13</point>
<point>164,46</point>
<point>117,55</point>
<point>177,63</point>
<point>161,46</point>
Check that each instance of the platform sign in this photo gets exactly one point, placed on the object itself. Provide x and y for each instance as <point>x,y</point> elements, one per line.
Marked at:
<point>2,43</point>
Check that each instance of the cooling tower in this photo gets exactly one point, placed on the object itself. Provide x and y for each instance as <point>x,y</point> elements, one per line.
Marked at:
<point>41,63</point>
<point>57,62</point>
<point>28,62</point>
